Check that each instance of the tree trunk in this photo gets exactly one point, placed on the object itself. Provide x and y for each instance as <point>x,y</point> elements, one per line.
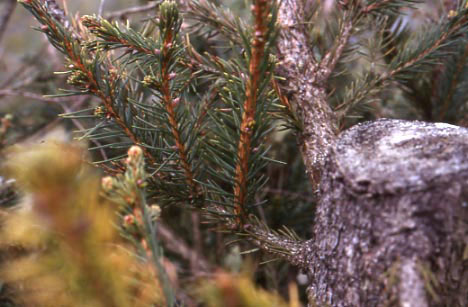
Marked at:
<point>391,224</point>
<point>392,221</point>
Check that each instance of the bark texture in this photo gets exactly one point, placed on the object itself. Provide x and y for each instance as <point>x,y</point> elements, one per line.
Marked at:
<point>305,86</point>
<point>392,222</point>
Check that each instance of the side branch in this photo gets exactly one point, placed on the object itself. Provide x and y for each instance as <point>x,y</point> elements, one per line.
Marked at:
<point>285,244</point>
<point>133,10</point>
<point>376,5</point>
<point>453,85</point>
<point>106,99</point>
<point>68,47</point>
<point>327,65</point>
<point>112,36</point>
<point>306,87</point>
<point>462,22</point>
<point>169,103</point>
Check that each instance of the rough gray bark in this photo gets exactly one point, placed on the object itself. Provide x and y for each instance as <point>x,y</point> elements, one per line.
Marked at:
<point>392,222</point>
<point>305,85</point>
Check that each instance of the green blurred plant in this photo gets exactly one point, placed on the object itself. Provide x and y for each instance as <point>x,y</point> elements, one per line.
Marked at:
<point>75,257</point>
<point>233,290</point>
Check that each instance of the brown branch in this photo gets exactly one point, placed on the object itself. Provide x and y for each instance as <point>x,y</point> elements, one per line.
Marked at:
<point>25,67</point>
<point>260,13</point>
<point>107,100</point>
<point>374,6</point>
<point>291,249</point>
<point>453,85</point>
<point>101,7</point>
<point>332,57</point>
<point>169,103</point>
<point>175,244</point>
<point>58,100</point>
<point>283,99</point>
<point>132,10</point>
<point>258,234</point>
<point>7,9</point>
<point>22,93</point>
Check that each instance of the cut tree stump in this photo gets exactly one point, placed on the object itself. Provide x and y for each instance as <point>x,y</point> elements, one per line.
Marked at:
<point>392,222</point>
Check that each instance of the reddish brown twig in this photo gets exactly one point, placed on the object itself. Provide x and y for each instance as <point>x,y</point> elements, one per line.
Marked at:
<point>170,103</point>
<point>260,12</point>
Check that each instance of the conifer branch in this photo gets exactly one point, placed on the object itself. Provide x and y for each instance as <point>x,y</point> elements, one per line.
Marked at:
<point>133,10</point>
<point>332,57</point>
<point>107,100</point>
<point>435,45</point>
<point>113,37</point>
<point>260,10</point>
<point>454,82</point>
<point>219,19</point>
<point>169,102</point>
<point>375,5</point>
<point>445,34</point>
<point>284,100</point>
<point>391,6</point>
<point>163,76</point>
<point>128,191</point>
<point>81,74</point>
<point>284,243</point>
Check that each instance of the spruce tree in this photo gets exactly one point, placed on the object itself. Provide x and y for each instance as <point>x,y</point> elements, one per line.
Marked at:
<point>391,195</point>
